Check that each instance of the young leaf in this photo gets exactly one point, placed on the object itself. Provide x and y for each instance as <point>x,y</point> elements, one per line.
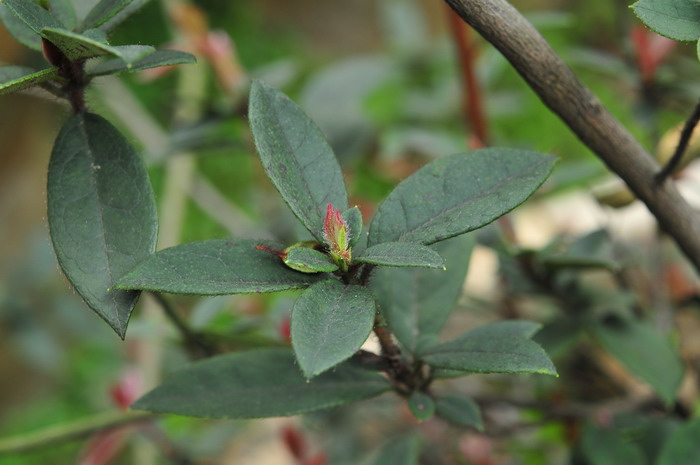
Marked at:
<point>33,16</point>
<point>16,78</point>
<point>102,214</point>
<point>645,352</point>
<point>456,194</point>
<point>296,157</point>
<point>462,411</point>
<point>353,218</point>
<point>402,451</point>
<point>402,254</point>
<point>217,267</point>
<point>64,11</point>
<point>682,446</point>
<point>103,12</point>
<point>258,384</point>
<point>19,29</point>
<point>309,260</point>
<point>158,58</point>
<point>607,447</point>
<point>421,405</point>
<point>417,302</point>
<point>330,322</point>
<point>502,347</point>
<point>676,19</point>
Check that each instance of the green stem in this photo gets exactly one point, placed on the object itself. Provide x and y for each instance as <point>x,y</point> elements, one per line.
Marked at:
<point>69,432</point>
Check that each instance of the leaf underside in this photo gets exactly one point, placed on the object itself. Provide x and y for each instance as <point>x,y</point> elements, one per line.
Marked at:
<point>16,78</point>
<point>461,411</point>
<point>154,60</point>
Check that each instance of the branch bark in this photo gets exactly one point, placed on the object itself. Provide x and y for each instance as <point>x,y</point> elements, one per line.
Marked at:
<point>559,88</point>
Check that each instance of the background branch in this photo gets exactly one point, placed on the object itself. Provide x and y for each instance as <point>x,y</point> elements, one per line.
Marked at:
<point>559,88</point>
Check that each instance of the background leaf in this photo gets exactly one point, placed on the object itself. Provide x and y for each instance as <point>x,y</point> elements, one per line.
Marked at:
<point>682,447</point>
<point>606,447</point>
<point>330,322</point>
<point>216,267</point>
<point>155,59</point>
<point>65,12</point>
<point>34,16</point>
<point>502,347</point>
<point>676,19</point>
<point>240,385</point>
<point>19,29</point>
<point>296,157</point>
<point>645,352</point>
<point>421,405</point>
<point>102,214</point>
<point>462,411</point>
<point>402,254</point>
<point>103,12</point>
<point>16,78</point>
<point>402,451</point>
<point>459,193</point>
<point>417,302</point>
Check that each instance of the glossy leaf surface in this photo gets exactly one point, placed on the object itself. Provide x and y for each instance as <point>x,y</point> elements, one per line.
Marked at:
<point>258,384</point>
<point>16,78</point>
<point>417,302</point>
<point>459,193</point>
<point>462,411</point>
<point>216,267</point>
<point>330,322</point>
<point>296,157</point>
<point>402,254</point>
<point>503,347</point>
<point>102,214</point>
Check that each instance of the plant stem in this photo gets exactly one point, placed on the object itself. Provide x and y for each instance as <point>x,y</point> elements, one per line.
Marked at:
<point>70,432</point>
<point>198,346</point>
<point>686,134</point>
<point>559,88</point>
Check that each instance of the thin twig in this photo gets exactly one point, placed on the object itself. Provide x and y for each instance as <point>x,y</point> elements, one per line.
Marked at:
<point>559,88</point>
<point>686,134</point>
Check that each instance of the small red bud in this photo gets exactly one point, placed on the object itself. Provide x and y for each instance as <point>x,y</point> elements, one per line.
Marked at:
<point>294,442</point>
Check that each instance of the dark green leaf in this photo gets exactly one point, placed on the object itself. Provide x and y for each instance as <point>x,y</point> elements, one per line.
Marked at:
<point>461,411</point>
<point>103,12</point>
<point>402,254</point>
<point>645,352</point>
<point>296,157</point>
<point>64,11</point>
<point>559,335</point>
<point>417,302</point>
<point>216,267</point>
<point>16,78</point>
<point>102,214</point>
<point>606,447</point>
<point>19,29</point>
<point>403,451</point>
<point>353,218</point>
<point>502,347</point>
<point>676,19</point>
<point>33,16</point>
<point>459,193</point>
<point>158,58</point>
<point>309,260</point>
<point>258,384</point>
<point>421,405</point>
<point>330,322</point>
<point>682,447</point>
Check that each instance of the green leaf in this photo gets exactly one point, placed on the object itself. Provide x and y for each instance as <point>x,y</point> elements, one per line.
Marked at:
<point>417,302</point>
<point>103,12</point>
<point>402,254</point>
<point>353,218</point>
<point>330,322</point>
<point>309,260</point>
<point>421,405</point>
<point>154,60</point>
<point>19,29</point>
<point>64,11</point>
<point>16,78</point>
<point>502,347</point>
<point>605,446</point>
<point>646,353</point>
<point>456,194</point>
<point>102,214</point>
<point>462,411</point>
<point>296,157</point>
<point>91,44</point>
<point>216,267</point>
<point>592,250</point>
<point>682,447</point>
<point>402,451</point>
<point>676,19</point>
<point>34,17</point>
<point>258,384</point>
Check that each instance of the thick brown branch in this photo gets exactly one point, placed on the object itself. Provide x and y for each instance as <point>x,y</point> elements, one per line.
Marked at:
<point>559,88</point>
